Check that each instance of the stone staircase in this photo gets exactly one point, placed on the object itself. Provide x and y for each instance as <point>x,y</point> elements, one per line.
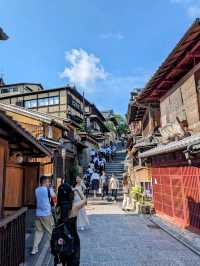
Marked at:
<point>117,165</point>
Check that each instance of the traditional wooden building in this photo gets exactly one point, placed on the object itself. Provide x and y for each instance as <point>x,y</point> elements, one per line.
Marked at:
<point>175,161</point>
<point>65,102</point>
<point>96,124</point>
<point>143,118</point>
<point>54,133</point>
<point>18,177</point>
<point>143,121</point>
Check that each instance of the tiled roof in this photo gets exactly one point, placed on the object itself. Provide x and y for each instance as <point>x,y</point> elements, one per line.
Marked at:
<point>34,114</point>
<point>171,147</point>
<point>145,143</point>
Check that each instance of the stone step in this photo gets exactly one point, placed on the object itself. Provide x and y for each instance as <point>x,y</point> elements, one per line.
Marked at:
<point>115,163</point>
<point>115,167</point>
<point>114,170</point>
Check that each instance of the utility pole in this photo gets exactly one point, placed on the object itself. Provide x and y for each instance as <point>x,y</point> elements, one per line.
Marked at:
<point>84,122</point>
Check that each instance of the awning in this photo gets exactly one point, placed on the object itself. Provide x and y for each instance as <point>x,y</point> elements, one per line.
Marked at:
<point>20,139</point>
<point>49,142</point>
<point>171,147</point>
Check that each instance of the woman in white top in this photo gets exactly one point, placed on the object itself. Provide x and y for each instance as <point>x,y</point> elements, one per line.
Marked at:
<point>114,186</point>
<point>82,219</point>
<point>126,200</point>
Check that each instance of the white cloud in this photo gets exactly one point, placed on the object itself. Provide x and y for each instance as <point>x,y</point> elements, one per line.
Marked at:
<point>192,7</point>
<point>118,36</point>
<point>108,90</point>
<point>84,69</point>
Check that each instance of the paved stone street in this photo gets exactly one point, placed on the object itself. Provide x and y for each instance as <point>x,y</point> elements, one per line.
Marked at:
<point>118,239</point>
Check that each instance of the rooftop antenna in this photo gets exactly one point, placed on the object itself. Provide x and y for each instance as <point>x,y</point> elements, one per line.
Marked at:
<point>2,83</point>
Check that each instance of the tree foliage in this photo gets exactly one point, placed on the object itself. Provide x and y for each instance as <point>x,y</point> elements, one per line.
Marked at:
<point>122,126</point>
<point>110,126</point>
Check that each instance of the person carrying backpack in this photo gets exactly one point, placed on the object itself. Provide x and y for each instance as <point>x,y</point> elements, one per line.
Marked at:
<point>104,185</point>
<point>65,242</point>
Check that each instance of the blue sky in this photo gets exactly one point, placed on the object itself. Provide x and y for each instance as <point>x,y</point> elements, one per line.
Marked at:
<point>106,47</point>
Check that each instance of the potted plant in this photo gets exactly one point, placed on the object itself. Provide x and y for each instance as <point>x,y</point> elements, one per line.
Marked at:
<point>136,195</point>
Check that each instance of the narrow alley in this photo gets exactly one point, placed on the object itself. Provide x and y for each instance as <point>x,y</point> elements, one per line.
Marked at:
<point>116,238</point>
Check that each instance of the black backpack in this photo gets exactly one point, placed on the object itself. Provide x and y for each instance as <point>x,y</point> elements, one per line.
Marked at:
<point>62,242</point>
<point>96,164</point>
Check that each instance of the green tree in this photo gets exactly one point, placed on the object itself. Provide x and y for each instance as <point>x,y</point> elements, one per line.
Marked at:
<point>122,126</point>
<point>110,126</point>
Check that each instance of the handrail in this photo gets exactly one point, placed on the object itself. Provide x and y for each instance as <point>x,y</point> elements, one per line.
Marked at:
<point>10,218</point>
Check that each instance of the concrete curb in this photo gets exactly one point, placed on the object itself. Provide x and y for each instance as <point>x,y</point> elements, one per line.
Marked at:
<point>183,240</point>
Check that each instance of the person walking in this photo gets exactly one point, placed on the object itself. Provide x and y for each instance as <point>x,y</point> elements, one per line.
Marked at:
<point>92,154</point>
<point>82,219</point>
<point>104,183</point>
<point>44,221</point>
<point>126,198</point>
<point>114,186</point>
<point>107,153</point>
<point>95,182</point>
<point>87,179</point>
<point>69,210</point>
<point>101,165</point>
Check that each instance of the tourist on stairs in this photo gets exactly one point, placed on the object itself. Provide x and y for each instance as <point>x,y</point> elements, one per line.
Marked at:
<point>104,184</point>
<point>114,186</point>
<point>95,182</point>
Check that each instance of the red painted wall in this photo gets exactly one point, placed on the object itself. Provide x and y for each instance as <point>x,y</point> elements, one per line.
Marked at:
<point>176,194</point>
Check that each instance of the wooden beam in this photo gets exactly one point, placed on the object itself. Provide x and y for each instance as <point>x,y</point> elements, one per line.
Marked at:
<point>184,59</point>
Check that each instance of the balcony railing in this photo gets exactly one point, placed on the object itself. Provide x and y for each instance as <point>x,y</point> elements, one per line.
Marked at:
<point>12,239</point>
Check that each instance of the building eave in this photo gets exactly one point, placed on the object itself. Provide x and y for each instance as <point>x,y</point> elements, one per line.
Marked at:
<point>171,147</point>
<point>20,130</point>
<point>3,35</point>
<point>179,62</point>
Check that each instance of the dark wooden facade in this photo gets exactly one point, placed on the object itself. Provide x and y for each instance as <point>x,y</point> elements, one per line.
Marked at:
<point>18,179</point>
